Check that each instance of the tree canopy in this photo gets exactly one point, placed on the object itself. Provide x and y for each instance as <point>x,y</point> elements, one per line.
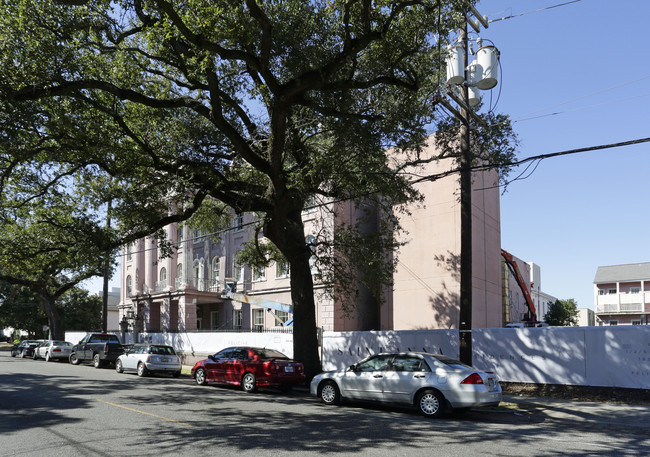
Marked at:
<point>158,105</point>
<point>562,313</point>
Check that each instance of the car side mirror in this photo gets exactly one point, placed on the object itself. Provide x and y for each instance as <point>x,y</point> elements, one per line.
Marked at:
<point>353,367</point>
<point>211,357</point>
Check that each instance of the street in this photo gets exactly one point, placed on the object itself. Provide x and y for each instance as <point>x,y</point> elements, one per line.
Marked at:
<point>51,409</point>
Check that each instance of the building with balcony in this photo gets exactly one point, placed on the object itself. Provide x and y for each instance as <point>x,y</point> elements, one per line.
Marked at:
<point>622,294</point>
<point>186,291</point>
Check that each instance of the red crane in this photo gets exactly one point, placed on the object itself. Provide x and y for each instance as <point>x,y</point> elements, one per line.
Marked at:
<point>530,319</point>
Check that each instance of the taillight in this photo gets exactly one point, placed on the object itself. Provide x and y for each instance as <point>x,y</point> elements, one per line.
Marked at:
<point>56,350</point>
<point>474,378</point>
<point>148,359</point>
<point>106,348</point>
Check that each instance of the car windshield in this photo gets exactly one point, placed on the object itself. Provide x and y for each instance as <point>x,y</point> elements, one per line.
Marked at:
<point>270,354</point>
<point>161,350</point>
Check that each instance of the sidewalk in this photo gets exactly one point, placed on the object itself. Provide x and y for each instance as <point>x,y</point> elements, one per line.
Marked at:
<point>603,413</point>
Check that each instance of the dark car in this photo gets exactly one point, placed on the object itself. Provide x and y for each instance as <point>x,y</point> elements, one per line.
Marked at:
<point>25,348</point>
<point>249,368</point>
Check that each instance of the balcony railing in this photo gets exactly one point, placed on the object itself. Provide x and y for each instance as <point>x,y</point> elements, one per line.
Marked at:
<point>623,308</point>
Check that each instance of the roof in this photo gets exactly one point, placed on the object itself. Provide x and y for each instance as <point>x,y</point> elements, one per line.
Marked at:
<point>628,272</point>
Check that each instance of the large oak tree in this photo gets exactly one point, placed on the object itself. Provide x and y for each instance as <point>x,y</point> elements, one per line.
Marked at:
<point>260,105</point>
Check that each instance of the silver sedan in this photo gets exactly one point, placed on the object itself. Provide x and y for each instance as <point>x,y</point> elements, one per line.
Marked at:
<point>149,358</point>
<point>53,350</point>
<point>430,382</point>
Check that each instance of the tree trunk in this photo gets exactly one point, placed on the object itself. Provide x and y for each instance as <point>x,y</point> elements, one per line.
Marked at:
<point>288,235</point>
<point>53,318</point>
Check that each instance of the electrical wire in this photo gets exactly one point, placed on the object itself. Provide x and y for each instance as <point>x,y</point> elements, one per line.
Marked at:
<point>534,11</point>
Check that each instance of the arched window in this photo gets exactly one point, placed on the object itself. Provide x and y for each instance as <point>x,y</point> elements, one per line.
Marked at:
<point>163,274</point>
<point>311,243</point>
<point>216,271</point>
<point>129,286</point>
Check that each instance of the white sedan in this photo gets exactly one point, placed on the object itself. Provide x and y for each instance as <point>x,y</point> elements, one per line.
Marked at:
<point>430,382</point>
<point>53,350</point>
<point>149,358</point>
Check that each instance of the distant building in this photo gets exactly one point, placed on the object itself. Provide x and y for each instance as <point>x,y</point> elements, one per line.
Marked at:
<point>514,301</point>
<point>540,298</point>
<point>622,294</point>
<point>586,317</point>
<point>113,317</point>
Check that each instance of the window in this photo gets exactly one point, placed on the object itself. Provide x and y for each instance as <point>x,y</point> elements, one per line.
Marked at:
<point>129,251</point>
<point>129,286</point>
<point>636,322</point>
<point>613,322</point>
<point>602,292</point>
<point>376,363</point>
<point>237,319</point>
<point>198,236</point>
<point>239,222</point>
<point>214,320</point>
<point>258,319</point>
<point>311,244</point>
<point>179,272</point>
<point>282,315</point>
<point>612,291</point>
<point>238,269</point>
<point>216,271</point>
<point>310,205</point>
<point>635,290</point>
<point>282,269</point>
<point>163,274</point>
<point>179,233</point>
<point>259,274</point>
<point>409,363</point>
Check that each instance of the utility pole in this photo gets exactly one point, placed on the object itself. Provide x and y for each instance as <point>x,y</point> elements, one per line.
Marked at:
<point>107,261</point>
<point>465,79</point>
<point>465,314</point>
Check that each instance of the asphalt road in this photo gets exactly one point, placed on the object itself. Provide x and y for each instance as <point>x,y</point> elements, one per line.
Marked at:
<point>56,409</point>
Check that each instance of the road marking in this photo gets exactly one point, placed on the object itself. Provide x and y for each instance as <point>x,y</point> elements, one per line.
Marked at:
<point>145,413</point>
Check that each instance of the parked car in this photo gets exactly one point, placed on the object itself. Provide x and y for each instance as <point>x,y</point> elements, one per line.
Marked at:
<point>100,348</point>
<point>249,368</point>
<point>25,348</point>
<point>430,382</point>
<point>149,358</point>
<point>53,350</point>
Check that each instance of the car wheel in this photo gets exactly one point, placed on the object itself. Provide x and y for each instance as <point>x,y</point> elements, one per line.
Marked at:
<point>73,359</point>
<point>330,393</point>
<point>431,403</point>
<point>97,362</point>
<point>118,366</point>
<point>248,383</point>
<point>176,374</point>
<point>200,377</point>
<point>142,370</point>
<point>47,357</point>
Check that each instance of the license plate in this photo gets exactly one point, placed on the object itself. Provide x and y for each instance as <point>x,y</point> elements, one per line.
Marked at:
<point>288,369</point>
<point>165,359</point>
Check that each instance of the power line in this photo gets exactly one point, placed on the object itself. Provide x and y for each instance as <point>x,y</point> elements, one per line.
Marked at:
<point>534,11</point>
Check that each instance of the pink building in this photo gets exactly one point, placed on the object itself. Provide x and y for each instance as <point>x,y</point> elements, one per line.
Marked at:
<point>186,291</point>
<point>622,294</point>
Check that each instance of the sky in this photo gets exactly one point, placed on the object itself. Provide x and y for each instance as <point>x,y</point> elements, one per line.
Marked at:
<point>572,76</point>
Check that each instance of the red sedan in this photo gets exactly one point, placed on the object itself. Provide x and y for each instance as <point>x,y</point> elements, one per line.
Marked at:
<point>249,368</point>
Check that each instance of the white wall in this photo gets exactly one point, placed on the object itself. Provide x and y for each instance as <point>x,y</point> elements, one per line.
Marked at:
<point>594,356</point>
<point>201,344</point>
